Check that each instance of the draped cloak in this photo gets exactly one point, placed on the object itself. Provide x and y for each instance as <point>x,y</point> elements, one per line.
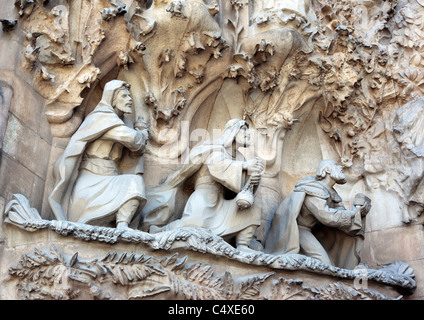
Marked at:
<point>341,245</point>
<point>214,171</point>
<point>107,192</point>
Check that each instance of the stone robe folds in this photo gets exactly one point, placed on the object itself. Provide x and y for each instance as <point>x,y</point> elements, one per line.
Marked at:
<point>215,173</point>
<point>89,187</point>
<point>329,228</point>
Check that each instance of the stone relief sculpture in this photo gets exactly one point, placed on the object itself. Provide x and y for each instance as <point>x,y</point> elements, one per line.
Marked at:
<point>408,131</point>
<point>172,276</point>
<point>20,214</point>
<point>219,169</point>
<point>332,67</point>
<point>314,203</point>
<point>92,184</point>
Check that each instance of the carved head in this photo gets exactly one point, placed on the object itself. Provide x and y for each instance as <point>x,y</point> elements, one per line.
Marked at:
<point>116,94</point>
<point>236,130</point>
<point>243,136</point>
<point>331,167</point>
<point>122,100</point>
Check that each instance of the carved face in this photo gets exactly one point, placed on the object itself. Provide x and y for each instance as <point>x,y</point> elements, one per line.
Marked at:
<point>337,174</point>
<point>123,101</point>
<point>243,137</point>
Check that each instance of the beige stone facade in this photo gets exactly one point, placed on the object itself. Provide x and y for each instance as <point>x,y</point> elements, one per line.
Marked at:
<point>313,79</point>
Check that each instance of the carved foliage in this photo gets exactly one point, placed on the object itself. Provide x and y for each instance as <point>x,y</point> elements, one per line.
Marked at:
<point>359,49</point>
<point>49,274</point>
<point>353,73</point>
<point>183,57</point>
<point>19,213</point>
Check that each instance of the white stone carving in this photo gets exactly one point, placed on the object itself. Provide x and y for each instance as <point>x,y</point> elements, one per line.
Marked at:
<point>99,176</point>
<point>313,80</point>
<point>315,204</point>
<point>218,168</point>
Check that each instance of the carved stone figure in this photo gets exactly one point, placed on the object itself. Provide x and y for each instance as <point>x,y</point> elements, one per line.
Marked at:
<point>220,172</point>
<point>313,221</point>
<point>321,79</point>
<point>99,176</point>
<point>408,132</point>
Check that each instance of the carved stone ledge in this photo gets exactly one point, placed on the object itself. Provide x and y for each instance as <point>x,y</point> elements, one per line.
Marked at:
<point>51,274</point>
<point>19,213</point>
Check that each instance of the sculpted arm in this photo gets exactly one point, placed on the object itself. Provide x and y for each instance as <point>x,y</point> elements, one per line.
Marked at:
<point>333,217</point>
<point>134,140</point>
<point>226,171</point>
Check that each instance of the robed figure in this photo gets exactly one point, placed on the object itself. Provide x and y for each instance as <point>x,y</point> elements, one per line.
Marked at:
<point>224,186</point>
<point>313,221</point>
<point>99,177</point>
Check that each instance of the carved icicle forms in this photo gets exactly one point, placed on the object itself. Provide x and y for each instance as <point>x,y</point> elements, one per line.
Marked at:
<point>51,274</point>
<point>180,67</point>
<point>62,52</point>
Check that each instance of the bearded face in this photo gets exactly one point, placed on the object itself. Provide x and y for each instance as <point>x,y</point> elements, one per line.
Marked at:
<point>338,175</point>
<point>123,101</point>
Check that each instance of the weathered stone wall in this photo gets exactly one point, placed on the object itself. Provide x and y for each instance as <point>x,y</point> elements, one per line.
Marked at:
<point>26,140</point>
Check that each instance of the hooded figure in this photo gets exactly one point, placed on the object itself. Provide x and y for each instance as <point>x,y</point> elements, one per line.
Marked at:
<point>313,221</point>
<point>99,176</point>
<point>218,169</point>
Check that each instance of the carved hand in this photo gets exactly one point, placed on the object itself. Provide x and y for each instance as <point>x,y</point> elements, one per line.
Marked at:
<point>255,178</point>
<point>364,209</point>
<point>254,166</point>
<point>362,203</point>
<point>141,124</point>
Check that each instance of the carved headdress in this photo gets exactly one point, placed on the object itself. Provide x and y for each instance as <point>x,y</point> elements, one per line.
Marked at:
<point>231,129</point>
<point>109,92</point>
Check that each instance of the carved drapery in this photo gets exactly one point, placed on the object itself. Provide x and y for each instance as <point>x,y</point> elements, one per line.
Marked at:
<point>353,61</point>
